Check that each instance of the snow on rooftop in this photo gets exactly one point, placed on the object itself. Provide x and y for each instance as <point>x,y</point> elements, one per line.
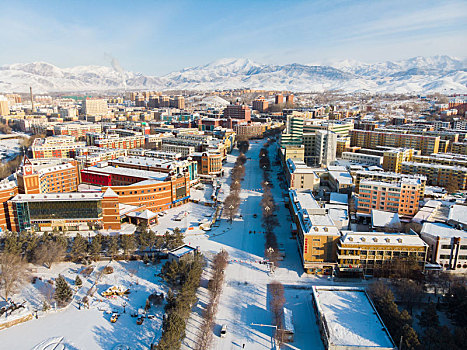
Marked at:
<point>437,229</point>
<point>458,213</point>
<point>338,198</point>
<point>380,218</point>
<point>183,250</point>
<point>382,238</point>
<point>351,318</point>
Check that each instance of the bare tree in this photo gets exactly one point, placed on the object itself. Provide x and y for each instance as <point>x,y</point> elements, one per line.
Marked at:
<point>13,273</point>
<point>49,253</point>
<point>277,302</point>
<point>48,292</point>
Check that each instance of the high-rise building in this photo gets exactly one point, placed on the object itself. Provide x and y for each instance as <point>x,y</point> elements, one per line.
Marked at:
<point>278,99</point>
<point>438,174</point>
<point>238,111</point>
<point>402,198</point>
<point>289,99</point>
<point>392,159</point>
<point>320,148</point>
<point>94,106</point>
<point>260,104</point>
<point>4,106</point>
<point>370,139</point>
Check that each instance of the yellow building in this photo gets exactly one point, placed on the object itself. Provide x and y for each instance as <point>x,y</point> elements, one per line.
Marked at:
<point>438,174</point>
<point>392,159</point>
<point>316,234</point>
<point>370,139</point>
<point>293,152</point>
<point>371,253</point>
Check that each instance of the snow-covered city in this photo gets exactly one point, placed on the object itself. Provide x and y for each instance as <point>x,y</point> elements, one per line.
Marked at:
<point>233,175</point>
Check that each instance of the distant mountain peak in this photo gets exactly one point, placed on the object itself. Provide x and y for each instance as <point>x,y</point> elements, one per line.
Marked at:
<point>417,74</point>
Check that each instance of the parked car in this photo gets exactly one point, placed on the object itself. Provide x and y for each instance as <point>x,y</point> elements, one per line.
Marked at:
<point>139,321</point>
<point>223,331</point>
<point>114,317</point>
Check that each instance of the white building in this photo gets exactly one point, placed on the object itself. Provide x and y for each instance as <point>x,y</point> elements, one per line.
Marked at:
<point>447,246</point>
<point>361,158</point>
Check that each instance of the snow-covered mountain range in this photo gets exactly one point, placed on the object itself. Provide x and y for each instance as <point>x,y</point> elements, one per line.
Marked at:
<point>419,74</point>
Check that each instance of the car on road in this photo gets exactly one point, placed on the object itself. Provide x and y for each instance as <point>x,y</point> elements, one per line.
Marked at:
<point>255,215</point>
<point>223,331</point>
<point>114,317</point>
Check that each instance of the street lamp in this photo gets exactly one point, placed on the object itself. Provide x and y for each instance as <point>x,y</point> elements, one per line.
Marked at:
<point>124,305</point>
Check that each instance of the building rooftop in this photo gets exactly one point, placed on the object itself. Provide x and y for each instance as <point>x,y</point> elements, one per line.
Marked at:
<point>338,198</point>
<point>58,197</point>
<point>437,229</point>
<point>380,218</point>
<point>458,213</point>
<point>381,238</point>
<point>144,174</point>
<point>351,318</point>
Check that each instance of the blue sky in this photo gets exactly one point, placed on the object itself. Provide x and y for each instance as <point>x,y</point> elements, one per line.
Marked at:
<point>157,37</point>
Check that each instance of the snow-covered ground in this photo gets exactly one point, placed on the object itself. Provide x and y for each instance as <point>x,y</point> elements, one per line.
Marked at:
<point>244,299</point>
<point>9,149</point>
<point>91,328</point>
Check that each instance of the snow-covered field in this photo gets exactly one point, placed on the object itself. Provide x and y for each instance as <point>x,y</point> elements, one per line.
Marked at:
<point>9,149</point>
<point>91,328</point>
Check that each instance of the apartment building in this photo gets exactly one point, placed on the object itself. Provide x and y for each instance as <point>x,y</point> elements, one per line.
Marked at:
<point>185,151</point>
<point>459,148</point>
<point>293,152</point>
<point>340,128</point>
<point>168,166</point>
<point>94,106</point>
<point>78,130</point>
<point>361,158</point>
<point>371,139</point>
<point>8,189</point>
<point>317,236</point>
<point>320,148</point>
<point>367,252</point>
<point>260,104</point>
<point>442,158</point>
<point>438,174</point>
<point>250,130</point>
<point>115,140</point>
<point>393,159</point>
<point>402,198</point>
<point>300,176</point>
<point>447,246</point>
<point>56,147</point>
<point>209,163</point>
<point>382,176</point>
<point>4,106</point>
<point>238,111</point>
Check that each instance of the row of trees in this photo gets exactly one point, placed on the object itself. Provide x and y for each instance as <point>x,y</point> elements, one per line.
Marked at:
<point>276,302</point>
<point>232,201</point>
<point>268,206</point>
<point>205,332</point>
<point>48,248</point>
<point>184,278</point>
<point>399,323</point>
